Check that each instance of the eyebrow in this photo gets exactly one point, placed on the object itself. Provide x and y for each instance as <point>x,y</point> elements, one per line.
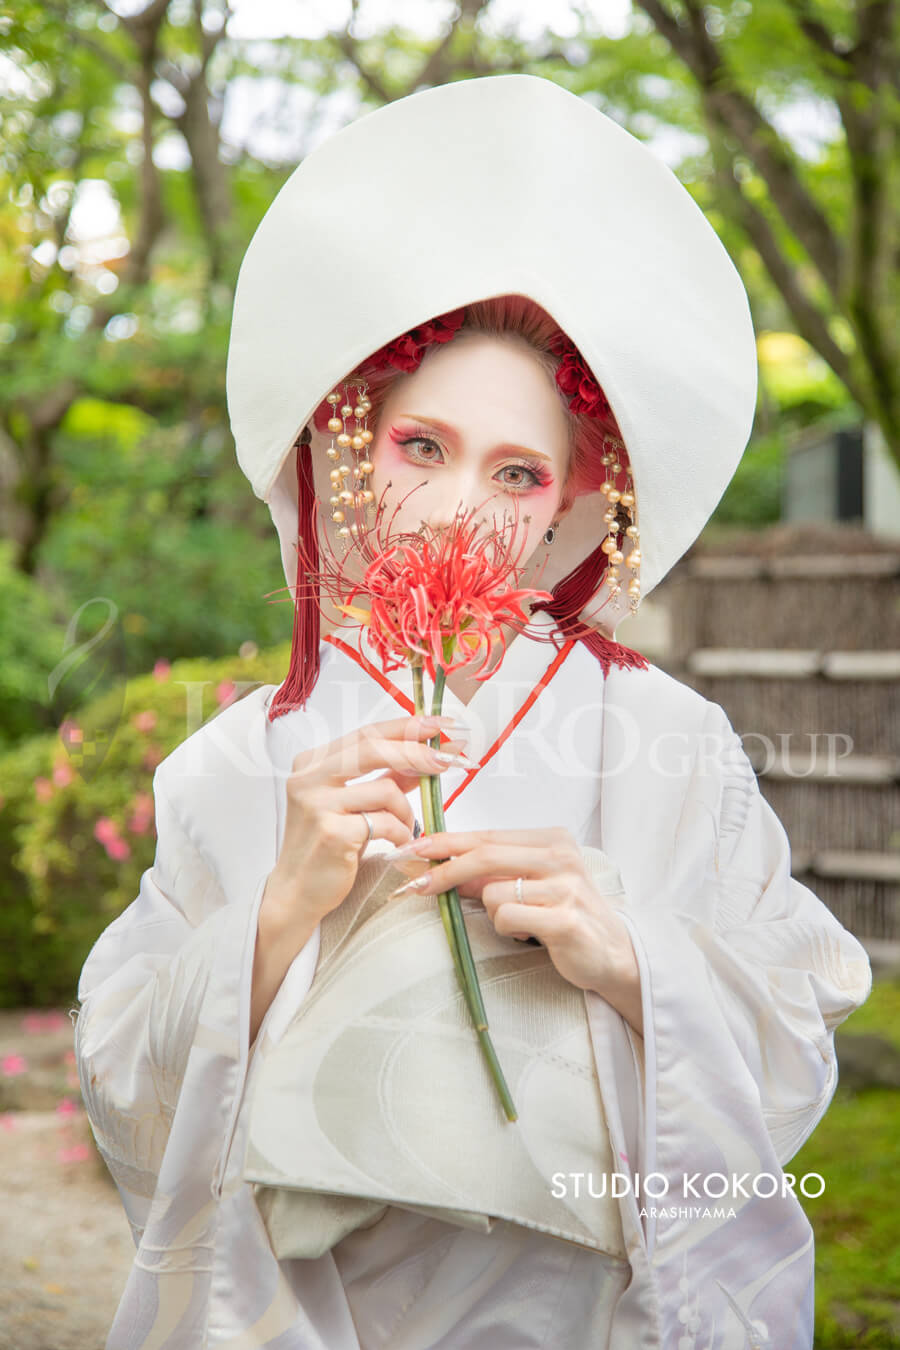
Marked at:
<point>447,430</point>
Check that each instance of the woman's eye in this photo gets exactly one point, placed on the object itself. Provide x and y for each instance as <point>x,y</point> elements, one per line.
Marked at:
<point>421,441</point>
<point>425,451</point>
<point>523,476</point>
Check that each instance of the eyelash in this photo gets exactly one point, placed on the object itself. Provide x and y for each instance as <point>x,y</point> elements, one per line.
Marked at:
<point>541,476</point>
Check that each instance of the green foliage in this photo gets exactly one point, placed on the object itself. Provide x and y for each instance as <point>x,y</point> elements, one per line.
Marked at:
<point>29,649</point>
<point>753,497</point>
<point>59,884</point>
<point>856,1148</point>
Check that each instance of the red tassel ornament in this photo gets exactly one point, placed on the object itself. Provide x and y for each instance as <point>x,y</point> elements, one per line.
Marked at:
<point>303,671</point>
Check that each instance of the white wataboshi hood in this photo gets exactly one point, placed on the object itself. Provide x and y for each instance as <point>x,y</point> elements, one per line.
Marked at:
<point>503,185</point>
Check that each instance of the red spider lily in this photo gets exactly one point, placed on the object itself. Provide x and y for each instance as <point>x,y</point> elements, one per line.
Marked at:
<point>437,598</point>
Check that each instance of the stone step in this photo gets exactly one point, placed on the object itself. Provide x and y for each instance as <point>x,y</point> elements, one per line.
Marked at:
<point>812,566</point>
<point>775,663</point>
<point>849,864</point>
<point>820,766</point>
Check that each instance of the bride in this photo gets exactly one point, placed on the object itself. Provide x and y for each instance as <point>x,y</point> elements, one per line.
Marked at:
<point>486,297</point>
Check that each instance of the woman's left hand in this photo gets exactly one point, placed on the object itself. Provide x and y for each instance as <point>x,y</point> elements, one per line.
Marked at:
<point>586,939</point>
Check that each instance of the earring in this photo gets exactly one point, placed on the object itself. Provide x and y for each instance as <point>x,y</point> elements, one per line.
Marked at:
<point>619,516</point>
<point>361,497</point>
<point>549,534</point>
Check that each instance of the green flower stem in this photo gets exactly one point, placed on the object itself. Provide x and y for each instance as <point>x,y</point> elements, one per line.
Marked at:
<point>449,902</point>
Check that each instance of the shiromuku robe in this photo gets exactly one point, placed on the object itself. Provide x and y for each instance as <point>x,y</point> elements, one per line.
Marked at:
<point>745,974</point>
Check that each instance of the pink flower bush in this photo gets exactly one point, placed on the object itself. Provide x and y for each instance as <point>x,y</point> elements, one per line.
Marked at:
<point>161,670</point>
<point>62,773</point>
<point>13,1066</point>
<point>144,721</point>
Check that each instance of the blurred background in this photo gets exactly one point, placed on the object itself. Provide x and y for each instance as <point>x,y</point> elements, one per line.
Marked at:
<point>140,580</point>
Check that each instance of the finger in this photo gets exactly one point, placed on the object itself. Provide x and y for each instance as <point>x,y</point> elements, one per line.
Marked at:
<point>411,758</point>
<point>376,794</point>
<point>545,892</point>
<point>448,843</point>
<point>416,728</point>
<point>494,863</point>
<point>515,920</point>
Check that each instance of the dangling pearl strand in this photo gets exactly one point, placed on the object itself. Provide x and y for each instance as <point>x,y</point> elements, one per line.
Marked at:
<point>360,496</point>
<point>620,508</point>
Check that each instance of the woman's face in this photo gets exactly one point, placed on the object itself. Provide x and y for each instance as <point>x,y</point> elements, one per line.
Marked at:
<point>478,424</point>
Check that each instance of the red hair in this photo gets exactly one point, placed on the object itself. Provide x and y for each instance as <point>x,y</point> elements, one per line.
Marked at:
<point>521,319</point>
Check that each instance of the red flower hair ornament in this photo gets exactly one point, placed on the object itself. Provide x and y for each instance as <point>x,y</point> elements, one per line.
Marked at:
<point>406,352</point>
<point>576,381</point>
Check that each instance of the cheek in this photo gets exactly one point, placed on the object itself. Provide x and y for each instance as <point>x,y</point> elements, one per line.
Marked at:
<point>389,461</point>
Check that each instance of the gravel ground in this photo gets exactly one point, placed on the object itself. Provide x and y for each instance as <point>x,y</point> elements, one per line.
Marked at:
<point>65,1245</point>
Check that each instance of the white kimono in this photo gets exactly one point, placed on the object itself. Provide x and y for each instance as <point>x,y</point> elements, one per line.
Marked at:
<point>745,975</point>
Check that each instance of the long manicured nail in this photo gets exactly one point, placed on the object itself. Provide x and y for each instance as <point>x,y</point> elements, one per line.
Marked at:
<point>410,850</point>
<point>417,884</point>
<point>455,759</point>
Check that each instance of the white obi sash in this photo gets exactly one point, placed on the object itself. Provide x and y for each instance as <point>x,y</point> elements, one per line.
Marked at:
<point>377,1093</point>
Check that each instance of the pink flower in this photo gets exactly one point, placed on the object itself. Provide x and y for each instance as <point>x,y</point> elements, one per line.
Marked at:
<point>66,1108</point>
<point>161,670</point>
<point>105,829</point>
<point>118,849</point>
<point>62,774</point>
<point>225,691</point>
<point>12,1066</point>
<point>70,732</point>
<point>76,1153</point>
<point>43,789</point>
<point>145,721</point>
<point>142,815</point>
<point>8,1123</point>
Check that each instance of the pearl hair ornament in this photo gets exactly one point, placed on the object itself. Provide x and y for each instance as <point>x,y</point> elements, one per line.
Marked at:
<point>358,439</point>
<point>619,516</point>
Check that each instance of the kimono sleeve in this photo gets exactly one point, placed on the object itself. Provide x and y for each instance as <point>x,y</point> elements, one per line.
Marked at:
<point>745,974</point>
<point>783,971</point>
<point>164,998</point>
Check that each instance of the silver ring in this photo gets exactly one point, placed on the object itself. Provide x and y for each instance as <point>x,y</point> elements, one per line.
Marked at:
<point>370,825</point>
<point>519,889</point>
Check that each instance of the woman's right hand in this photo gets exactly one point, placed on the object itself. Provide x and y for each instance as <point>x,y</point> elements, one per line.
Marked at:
<point>325,834</point>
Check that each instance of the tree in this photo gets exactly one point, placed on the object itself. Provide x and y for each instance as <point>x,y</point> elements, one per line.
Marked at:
<point>850,249</point>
